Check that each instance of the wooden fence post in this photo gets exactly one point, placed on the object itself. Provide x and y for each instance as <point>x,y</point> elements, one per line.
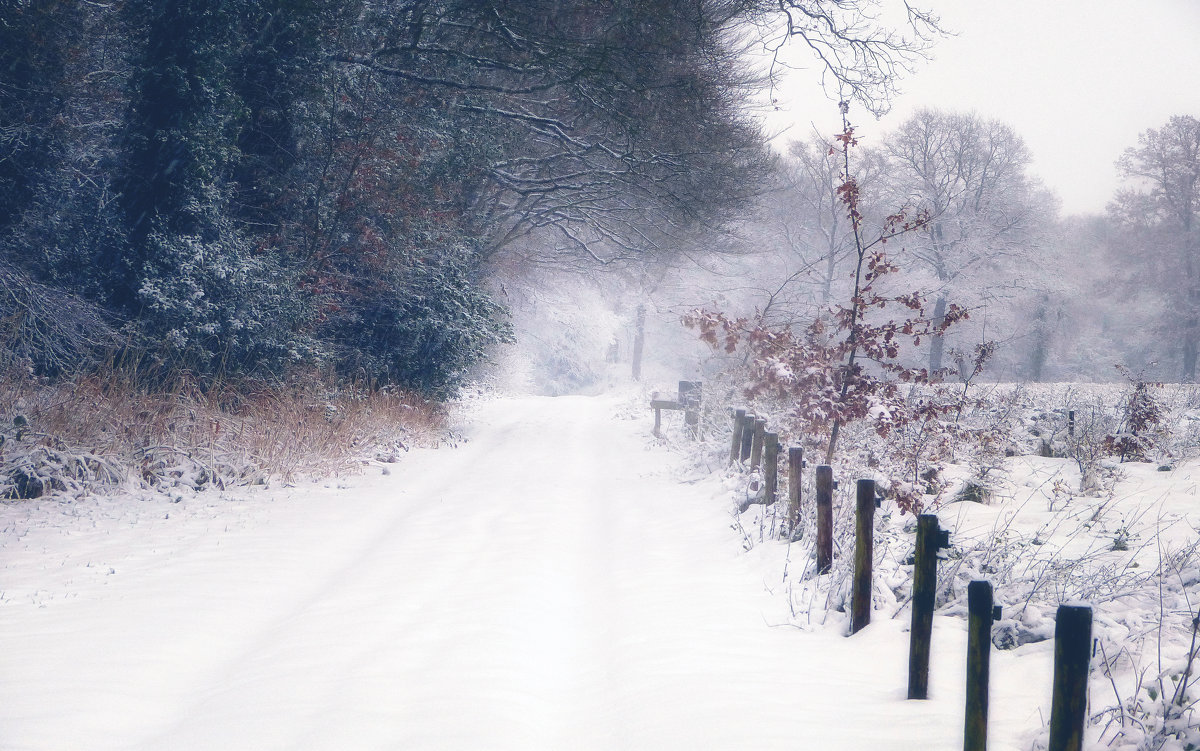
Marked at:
<point>981,613</point>
<point>795,472</point>
<point>929,540</point>
<point>747,436</point>
<point>639,342</point>
<point>1072,655</point>
<point>771,465</point>
<point>690,397</point>
<point>864,552</point>
<point>735,449</point>
<point>824,518</point>
<point>760,430</point>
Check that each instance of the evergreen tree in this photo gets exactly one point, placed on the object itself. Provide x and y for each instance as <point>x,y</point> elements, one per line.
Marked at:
<point>277,78</point>
<point>199,288</point>
<point>34,48</point>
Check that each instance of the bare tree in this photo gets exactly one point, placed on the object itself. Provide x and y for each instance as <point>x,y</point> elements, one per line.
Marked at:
<point>594,122</point>
<point>812,176</point>
<point>862,56</point>
<point>1160,209</point>
<point>987,213</point>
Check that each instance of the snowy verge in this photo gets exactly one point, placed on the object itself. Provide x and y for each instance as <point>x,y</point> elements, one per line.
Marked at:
<point>1122,537</point>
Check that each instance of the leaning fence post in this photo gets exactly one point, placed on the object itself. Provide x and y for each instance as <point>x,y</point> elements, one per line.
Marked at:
<point>795,470</point>
<point>735,449</point>
<point>864,552</point>
<point>824,487</point>
<point>747,436</point>
<point>981,613</point>
<point>930,539</point>
<point>760,429</point>
<point>1072,655</point>
<point>771,465</point>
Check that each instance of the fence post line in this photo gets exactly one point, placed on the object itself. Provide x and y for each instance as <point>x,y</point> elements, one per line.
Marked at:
<point>735,449</point>
<point>981,613</point>
<point>747,435</point>
<point>760,429</point>
<point>1072,655</point>
<point>864,551</point>
<point>771,465</point>
<point>795,470</point>
<point>824,488</point>
<point>924,593</point>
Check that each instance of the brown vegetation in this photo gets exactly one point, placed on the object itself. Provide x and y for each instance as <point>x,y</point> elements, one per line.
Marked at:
<point>96,431</point>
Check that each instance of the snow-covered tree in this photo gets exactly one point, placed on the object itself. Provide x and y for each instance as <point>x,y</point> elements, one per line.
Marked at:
<point>1159,213</point>
<point>987,214</point>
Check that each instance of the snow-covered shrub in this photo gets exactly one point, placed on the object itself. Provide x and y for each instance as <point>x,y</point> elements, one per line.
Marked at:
<point>35,464</point>
<point>210,305</point>
<point>1089,444</point>
<point>1140,431</point>
<point>424,330</point>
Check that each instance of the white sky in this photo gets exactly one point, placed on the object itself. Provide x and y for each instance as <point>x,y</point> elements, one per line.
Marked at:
<point>1077,79</point>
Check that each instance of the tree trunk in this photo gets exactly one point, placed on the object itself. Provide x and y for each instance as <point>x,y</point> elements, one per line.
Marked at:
<point>1189,351</point>
<point>1192,319</point>
<point>830,270</point>
<point>1037,359</point>
<point>639,340</point>
<point>938,345</point>
<point>1041,341</point>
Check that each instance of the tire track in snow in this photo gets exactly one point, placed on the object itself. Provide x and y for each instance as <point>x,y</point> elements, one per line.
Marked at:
<point>367,620</point>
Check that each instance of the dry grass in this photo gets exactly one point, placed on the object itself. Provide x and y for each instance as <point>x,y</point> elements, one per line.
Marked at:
<point>100,430</point>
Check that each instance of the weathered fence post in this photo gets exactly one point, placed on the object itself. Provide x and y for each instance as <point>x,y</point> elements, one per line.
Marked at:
<point>795,470</point>
<point>824,488</point>
<point>1072,655</point>
<point>639,342</point>
<point>760,430</point>
<point>690,396</point>
<point>930,539</point>
<point>735,449</point>
<point>747,436</point>
<point>981,613</point>
<point>771,465</point>
<point>864,552</point>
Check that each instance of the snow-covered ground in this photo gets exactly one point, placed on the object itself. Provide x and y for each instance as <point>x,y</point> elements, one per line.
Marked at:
<point>557,581</point>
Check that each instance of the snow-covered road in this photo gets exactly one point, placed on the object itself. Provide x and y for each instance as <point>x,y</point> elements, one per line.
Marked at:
<point>545,585</point>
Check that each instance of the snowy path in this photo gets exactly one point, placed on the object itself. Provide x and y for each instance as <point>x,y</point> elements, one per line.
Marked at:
<point>546,585</point>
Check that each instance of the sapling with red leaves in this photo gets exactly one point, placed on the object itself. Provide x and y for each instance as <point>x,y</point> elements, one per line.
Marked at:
<point>1138,434</point>
<point>846,368</point>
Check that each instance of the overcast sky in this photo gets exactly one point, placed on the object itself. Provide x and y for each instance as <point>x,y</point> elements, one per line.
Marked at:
<point>1077,79</point>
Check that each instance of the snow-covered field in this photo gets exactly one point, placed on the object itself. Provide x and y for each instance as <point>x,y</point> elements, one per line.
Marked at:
<point>558,581</point>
